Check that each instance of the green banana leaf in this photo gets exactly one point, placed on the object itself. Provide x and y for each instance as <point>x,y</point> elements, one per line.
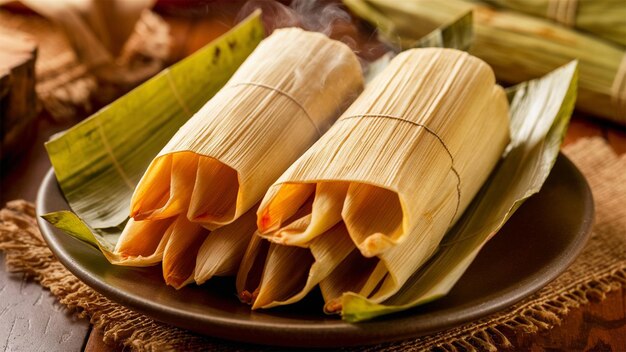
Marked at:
<point>114,146</point>
<point>540,113</point>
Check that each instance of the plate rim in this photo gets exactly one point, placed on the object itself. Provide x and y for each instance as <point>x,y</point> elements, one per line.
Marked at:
<point>364,333</point>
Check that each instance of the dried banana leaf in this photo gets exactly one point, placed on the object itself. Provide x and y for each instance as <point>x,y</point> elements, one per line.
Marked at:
<point>540,112</point>
<point>99,161</point>
<point>520,47</point>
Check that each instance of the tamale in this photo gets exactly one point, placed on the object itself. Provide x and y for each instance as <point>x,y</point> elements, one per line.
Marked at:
<point>518,47</point>
<point>603,18</point>
<point>99,161</point>
<point>396,171</point>
<point>280,101</point>
<point>219,164</point>
<point>539,115</point>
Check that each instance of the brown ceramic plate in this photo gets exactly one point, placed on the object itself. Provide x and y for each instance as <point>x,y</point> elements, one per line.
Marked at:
<point>537,243</point>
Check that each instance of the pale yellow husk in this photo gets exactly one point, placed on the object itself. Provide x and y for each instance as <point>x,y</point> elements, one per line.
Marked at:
<point>181,251</point>
<point>392,175</point>
<point>142,242</point>
<point>271,274</point>
<point>196,254</point>
<point>222,251</point>
<point>279,102</point>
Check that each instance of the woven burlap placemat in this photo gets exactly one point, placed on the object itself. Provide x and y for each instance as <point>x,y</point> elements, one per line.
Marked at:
<point>600,268</point>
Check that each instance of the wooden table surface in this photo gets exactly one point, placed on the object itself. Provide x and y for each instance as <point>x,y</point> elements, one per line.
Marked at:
<point>31,319</point>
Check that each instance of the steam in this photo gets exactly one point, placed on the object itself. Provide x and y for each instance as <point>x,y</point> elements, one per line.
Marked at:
<point>329,18</point>
<point>319,17</point>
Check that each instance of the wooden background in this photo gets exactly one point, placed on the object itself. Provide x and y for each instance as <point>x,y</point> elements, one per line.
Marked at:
<point>31,320</point>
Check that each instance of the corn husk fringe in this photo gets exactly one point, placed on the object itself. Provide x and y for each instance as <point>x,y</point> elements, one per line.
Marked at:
<point>188,252</point>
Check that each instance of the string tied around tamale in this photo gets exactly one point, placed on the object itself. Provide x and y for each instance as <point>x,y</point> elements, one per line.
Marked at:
<point>429,130</point>
<point>618,90</point>
<point>563,11</point>
<point>283,93</point>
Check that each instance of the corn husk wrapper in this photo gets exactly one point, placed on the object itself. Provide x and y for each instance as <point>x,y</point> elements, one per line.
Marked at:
<point>99,162</point>
<point>457,34</point>
<point>287,93</point>
<point>392,175</point>
<point>518,47</point>
<point>603,18</point>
